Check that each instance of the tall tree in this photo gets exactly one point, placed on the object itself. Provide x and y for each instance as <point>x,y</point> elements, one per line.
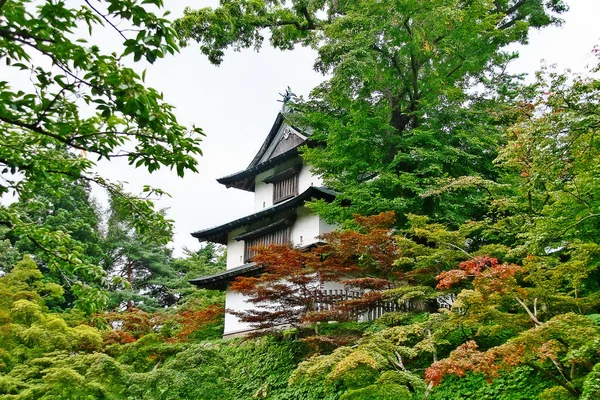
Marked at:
<point>144,272</point>
<point>140,265</point>
<point>399,114</point>
<point>66,208</point>
<point>46,135</point>
<point>546,217</point>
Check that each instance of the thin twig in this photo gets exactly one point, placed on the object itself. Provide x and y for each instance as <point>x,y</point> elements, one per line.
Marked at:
<point>104,17</point>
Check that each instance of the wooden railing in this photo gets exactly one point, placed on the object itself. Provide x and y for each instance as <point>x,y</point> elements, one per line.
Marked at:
<point>327,299</point>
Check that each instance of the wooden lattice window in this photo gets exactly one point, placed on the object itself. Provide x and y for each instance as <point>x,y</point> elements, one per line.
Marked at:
<point>285,189</point>
<point>279,236</point>
<point>285,184</point>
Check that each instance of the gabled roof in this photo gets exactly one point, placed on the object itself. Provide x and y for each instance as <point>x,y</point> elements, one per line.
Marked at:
<point>270,154</point>
<point>218,234</point>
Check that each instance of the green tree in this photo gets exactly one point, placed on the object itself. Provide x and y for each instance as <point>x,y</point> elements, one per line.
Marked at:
<point>210,259</point>
<point>83,104</point>
<point>551,162</point>
<point>28,329</point>
<point>144,272</point>
<point>140,265</point>
<point>8,254</point>
<point>67,208</point>
<point>399,113</point>
<point>546,213</point>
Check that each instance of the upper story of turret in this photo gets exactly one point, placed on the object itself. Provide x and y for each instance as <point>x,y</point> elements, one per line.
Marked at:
<point>281,183</point>
<point>277,172</point>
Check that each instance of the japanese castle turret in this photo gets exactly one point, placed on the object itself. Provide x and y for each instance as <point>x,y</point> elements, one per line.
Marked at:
<point>282,183</point>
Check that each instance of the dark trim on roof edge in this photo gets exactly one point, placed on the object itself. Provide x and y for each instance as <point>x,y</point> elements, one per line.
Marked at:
<point>219,281</point>
<point>218,234</point>
<point>244,180</point>
<point>279,120</point>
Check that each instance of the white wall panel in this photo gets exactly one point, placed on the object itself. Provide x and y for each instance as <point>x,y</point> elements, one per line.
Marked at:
<point>235,301</point>
<point>305,229</point>
<point>307,179</point>
<point>235,250</point>
<point>263,192</point>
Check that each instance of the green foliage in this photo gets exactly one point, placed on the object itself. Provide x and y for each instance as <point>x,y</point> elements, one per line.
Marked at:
<point>380,363</point>
<point>591,385</point>
<point>62,375</point>
<point>78,104</point>
<point>494,183</point>
<point>8,254</point>
<point>66,207</point>
<point>398,116</point>
<point>140,265</point>
<point>379,392</point>
<point>522,383</point>
<point>28,329</point>
<point>232,370</point>
<point>208,260</point>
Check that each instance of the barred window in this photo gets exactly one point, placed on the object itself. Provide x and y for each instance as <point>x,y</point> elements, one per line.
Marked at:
<point>285,188</point>
<point>280,236</point>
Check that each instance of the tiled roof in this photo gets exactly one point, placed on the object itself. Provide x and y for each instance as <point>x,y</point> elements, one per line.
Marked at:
<point>218,234</point>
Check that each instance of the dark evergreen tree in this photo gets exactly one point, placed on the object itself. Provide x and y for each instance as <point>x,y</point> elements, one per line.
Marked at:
<point>139,265</point>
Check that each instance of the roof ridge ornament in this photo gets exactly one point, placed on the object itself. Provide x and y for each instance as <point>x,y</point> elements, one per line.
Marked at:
<point>286,97</point>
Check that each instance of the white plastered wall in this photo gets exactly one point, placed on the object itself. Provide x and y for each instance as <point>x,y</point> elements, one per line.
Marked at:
<point>235,250</point>
<point>235,301</point>
<point>307,179</point>
<point>306,228</point>
<point>263,192</point>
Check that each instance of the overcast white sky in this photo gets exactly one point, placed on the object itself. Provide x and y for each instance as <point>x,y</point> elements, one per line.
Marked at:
<point>235,104</point>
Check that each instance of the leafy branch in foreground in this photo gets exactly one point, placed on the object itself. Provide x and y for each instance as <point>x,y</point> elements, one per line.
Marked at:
<point>75,104</point>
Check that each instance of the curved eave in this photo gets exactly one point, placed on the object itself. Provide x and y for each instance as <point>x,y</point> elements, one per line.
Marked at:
<point>244,180</point>
<point>218,234</point>
<point>219,281</point>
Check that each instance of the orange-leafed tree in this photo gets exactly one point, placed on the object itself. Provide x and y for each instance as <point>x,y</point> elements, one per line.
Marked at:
<point>194,320</point>
<point>290,289</point>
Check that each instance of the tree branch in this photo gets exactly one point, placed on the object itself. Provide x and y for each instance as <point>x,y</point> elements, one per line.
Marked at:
<point>104,17</point>
<point>457,248</point>
<point>548,375</point>
<point>577,223</point>
<point>516,6</point>
<point>311,24</point>
<point>37,129</point>
<point>10,34</point>
<point>52,102</point>
<point>528,311</point>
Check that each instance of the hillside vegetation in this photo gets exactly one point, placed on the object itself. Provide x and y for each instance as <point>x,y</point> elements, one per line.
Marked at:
<point>469,205</point>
